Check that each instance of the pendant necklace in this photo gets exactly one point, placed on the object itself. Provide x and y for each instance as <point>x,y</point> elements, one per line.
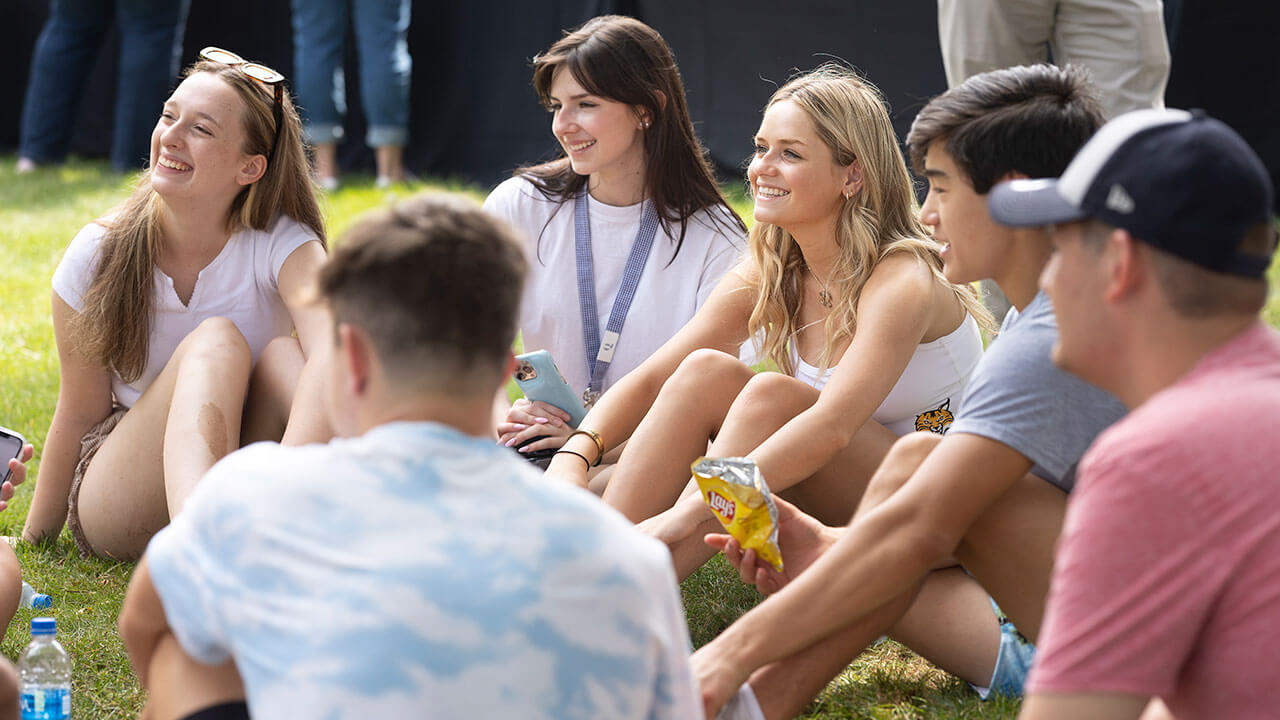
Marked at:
<point>824,295</point>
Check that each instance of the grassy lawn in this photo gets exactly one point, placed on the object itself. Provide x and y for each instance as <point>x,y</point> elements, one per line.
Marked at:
<point>39,214</point>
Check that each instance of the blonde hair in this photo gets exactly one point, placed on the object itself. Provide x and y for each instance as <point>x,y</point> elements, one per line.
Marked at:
<point>881,218</point>
<point>114,325</point>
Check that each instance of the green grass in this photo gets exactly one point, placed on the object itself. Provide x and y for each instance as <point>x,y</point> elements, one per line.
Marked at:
<point>41,212</point>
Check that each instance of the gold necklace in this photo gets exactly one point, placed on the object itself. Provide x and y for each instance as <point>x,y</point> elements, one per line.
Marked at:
<point>824,295</point>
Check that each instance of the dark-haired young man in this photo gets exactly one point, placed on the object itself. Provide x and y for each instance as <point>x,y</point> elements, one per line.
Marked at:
<point>1168,569</point>
<point>991,493</point>
<point>413,569</point>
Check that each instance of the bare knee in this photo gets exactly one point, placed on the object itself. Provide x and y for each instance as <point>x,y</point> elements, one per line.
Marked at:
<point>773,398</point>
<point>706,371</point>
<point>216,339</point>
<point>903,458</point>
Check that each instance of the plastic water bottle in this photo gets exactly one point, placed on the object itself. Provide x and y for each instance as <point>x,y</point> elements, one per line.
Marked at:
<point>33,599</point>
<point>44,669</point>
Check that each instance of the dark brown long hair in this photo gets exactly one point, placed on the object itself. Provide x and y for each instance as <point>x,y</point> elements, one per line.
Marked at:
<point>622,59</point>
<point>114,324</point>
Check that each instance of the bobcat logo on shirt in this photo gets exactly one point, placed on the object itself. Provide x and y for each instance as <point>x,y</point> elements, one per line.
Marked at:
<point>721,505</point>
<point>937,420</point>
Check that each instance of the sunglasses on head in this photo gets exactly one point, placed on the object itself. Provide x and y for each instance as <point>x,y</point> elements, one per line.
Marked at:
<point>256,71</point>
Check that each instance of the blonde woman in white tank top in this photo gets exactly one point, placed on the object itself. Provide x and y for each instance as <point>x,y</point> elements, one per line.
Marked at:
<point>841,275</point>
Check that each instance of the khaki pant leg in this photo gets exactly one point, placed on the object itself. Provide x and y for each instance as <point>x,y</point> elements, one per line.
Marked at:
<point>1123,44</point>
<point>978,36</point>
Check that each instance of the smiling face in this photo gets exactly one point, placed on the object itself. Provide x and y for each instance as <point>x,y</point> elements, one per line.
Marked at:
<point>795,181</point>
<point>975,247</point>
<point>602,138</point>
<point>197,145</point>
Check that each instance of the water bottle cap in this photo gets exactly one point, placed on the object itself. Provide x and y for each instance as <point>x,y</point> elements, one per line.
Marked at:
<point>40,601</point>
<point>44,626</point>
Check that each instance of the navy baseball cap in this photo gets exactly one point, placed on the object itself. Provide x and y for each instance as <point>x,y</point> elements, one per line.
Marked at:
<point>1178,181</point>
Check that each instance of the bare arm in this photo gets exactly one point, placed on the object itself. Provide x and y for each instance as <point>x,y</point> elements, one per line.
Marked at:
<point>895,310</point>
<point>307,419</point>
<point>720,324</point>
<point>1096,706</point>
<point>84,400</point>
<point>142,621</point>
<point>882,554</point>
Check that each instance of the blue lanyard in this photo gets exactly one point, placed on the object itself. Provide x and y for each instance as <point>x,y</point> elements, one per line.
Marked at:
<point>599,354</point>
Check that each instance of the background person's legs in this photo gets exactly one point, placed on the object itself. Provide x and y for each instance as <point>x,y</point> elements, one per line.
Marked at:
<point>319,33</point>
<point>60,65</point>
<point>382,28</point>
<point>151,34</point>
<point>1123,44</point>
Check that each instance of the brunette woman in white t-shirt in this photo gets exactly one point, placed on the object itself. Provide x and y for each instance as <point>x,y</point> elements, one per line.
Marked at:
<point>178,305</point>
<point>619,113</point>
<point>844,288</point>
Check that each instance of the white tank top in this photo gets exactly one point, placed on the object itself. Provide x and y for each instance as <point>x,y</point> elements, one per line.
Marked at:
<point>930,391</point>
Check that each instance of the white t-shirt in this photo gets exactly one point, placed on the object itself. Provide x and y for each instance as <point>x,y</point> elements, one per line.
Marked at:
<point>666,297</point>
<point>417,572</point>
<point>239,284</point>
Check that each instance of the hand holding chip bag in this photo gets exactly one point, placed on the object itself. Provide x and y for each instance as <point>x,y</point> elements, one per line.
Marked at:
<point>736,492</point>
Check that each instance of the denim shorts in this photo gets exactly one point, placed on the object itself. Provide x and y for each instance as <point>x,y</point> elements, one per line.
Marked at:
<point>1013,664</point>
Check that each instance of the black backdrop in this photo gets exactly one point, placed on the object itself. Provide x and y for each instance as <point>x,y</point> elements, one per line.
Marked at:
<point>474,116</point>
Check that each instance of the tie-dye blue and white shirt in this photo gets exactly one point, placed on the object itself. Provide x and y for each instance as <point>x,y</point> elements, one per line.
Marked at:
<point>419,572</point>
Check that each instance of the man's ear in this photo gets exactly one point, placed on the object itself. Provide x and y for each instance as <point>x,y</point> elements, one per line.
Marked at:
<point>1126,266</point>
<point>252,169</point>
<point>356,355</point>
<point>1012,175</point>
<point>852,178</point>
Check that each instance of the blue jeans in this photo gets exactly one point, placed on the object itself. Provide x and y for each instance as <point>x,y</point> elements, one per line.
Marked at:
<point>150,49</point>
<point>381,27</point>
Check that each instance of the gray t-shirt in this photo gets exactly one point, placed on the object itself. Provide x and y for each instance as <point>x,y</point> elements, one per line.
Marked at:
<point>1018,397</point>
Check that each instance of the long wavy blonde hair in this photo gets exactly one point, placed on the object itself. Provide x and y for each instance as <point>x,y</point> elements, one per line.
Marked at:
<point>114,326</point>
<point>882,218</point>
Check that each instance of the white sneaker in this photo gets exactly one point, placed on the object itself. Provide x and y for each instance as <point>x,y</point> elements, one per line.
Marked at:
<point>328,184</point>
<point>383,182</point>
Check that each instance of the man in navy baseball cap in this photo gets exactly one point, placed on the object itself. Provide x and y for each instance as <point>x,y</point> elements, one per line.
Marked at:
<point>1167,570</point>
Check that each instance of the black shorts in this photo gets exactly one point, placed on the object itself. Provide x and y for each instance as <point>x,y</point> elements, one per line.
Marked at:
<point>226,711</point>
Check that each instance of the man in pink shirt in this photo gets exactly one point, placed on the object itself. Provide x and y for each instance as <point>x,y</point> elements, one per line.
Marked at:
<point>1167,575</point>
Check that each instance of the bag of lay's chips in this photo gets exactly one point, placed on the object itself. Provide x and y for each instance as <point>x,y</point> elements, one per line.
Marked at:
<point>735,491</point>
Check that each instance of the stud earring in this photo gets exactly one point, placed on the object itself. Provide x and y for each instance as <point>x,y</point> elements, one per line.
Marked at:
<point>848,194</point>
<point>646,124</point>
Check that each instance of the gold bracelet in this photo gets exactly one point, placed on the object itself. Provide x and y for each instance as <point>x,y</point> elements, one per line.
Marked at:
<point>595,438</point>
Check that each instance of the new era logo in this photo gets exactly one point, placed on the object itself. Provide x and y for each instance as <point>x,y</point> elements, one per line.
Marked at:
<point>1119,200</point>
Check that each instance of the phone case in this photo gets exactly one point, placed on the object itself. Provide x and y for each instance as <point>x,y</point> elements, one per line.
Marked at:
<point>10,447</point>
<point>539,379</point>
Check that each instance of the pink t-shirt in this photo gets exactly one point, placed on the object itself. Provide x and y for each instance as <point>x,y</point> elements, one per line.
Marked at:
<point>1167,576</point>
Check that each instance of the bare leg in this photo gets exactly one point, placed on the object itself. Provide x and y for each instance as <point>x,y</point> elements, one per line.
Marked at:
<point>308,418</point>
<point>1009,549</point>
<point>693,403</point>
<point>9,708</point>
<point>390,162</point>
<point>271,389</point>
<point>185,421</point>
<point>10,588</point>
<point>766,403</point>
<point>326,159</point>
<point>179,686</point>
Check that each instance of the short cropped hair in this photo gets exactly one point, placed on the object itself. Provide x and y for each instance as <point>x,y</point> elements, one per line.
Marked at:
<point>435,283</point>
<point>1030,119</point>
<point>1195,292</point>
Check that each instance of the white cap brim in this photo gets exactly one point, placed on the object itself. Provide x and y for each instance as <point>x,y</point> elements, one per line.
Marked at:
<point>1031,203</point>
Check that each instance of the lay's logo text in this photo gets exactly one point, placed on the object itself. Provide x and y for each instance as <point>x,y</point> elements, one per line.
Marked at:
<point>723,506</point>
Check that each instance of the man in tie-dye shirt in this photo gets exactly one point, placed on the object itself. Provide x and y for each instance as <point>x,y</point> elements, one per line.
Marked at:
<point>415,568</point>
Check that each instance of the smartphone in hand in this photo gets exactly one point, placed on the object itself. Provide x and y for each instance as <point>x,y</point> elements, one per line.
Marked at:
<point>11,444</point>
<point>539,379</point>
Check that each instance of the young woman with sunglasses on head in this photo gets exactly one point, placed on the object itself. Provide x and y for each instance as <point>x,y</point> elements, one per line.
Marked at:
<point>843,287</point>
<point>178,305</point>
<point>635,192</point>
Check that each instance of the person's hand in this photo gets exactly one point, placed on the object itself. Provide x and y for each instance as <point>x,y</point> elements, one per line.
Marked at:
<point>527,420</point>
<point>17,475</point>
<point>801,538</point>
<point>717,674</point>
